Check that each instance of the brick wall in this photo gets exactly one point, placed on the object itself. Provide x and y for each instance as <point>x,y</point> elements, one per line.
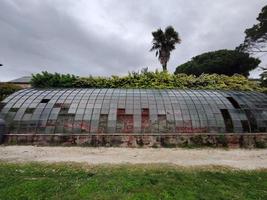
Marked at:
<point>124,140</point>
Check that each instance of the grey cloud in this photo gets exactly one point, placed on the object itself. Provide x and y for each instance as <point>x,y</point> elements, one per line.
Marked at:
<point>58,35</point>
<point>46,39</point>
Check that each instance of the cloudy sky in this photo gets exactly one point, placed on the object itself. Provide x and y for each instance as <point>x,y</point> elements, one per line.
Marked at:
<point>104,37</point>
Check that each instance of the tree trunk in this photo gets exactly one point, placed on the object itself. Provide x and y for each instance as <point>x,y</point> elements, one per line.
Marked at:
<point>164,57</point>
<point>164,66</point>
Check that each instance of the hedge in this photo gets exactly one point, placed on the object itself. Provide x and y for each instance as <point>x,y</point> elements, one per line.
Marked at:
<point>47,80</point>
<point>145,79</point>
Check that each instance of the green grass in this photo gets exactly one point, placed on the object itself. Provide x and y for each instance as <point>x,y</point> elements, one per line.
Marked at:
<point>69,181</point>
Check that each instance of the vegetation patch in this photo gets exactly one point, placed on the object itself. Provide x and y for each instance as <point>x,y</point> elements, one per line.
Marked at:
<point>66,181</point>
<point>6,89</point>
<point>146,79</point>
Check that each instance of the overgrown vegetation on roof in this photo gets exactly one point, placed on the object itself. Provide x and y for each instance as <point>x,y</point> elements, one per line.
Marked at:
<point>46,80</point>
<point>146,79</point>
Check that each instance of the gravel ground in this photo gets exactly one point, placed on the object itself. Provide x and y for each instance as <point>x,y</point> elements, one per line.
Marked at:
<point>236,158</point>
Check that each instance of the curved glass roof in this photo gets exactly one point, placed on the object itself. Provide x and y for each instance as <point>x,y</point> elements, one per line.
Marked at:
<point>134,111</point>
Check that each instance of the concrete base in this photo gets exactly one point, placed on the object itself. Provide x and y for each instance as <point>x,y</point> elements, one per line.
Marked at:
<point>257,140</point>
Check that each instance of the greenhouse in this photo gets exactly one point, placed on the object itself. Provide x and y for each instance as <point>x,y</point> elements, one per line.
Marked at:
<point>133,111</point>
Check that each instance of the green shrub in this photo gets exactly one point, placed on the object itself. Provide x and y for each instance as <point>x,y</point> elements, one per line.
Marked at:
<point>145,79</point>
<point>46,80</point>
<point>7,89</point>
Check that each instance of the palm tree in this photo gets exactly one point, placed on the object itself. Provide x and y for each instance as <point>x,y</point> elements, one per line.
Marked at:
<point>164,43</point>
<point>263,76</point>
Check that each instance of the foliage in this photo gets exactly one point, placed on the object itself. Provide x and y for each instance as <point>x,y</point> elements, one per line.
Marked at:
<point>256,36</point>
<point>45,79</point>
<point>6,89</point>
<point>156,80</point>
<point>164,43</point>
<point>228,62</point>
<point>65,181</point>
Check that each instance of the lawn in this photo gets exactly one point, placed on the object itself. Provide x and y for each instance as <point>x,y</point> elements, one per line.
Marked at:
<point>70,181</point>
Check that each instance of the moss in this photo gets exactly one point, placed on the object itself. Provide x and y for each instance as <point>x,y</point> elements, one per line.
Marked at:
<point>260,144</point>
<point>222,141</point>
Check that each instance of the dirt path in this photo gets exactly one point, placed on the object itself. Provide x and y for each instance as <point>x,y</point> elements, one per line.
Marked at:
<point>237,158</point>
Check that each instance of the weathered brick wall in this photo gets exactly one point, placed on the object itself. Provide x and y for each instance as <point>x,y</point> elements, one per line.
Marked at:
<point>120,140</point>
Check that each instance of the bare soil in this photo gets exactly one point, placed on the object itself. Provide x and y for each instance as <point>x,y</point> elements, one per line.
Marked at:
<point>236,158</point>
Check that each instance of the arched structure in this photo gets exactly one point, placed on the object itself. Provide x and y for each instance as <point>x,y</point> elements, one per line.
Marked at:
<point>133,112</point>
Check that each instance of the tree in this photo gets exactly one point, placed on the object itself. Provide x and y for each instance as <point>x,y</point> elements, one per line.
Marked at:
<point>256,36</point>
<point>163,43</point>
<point>228,62</point>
